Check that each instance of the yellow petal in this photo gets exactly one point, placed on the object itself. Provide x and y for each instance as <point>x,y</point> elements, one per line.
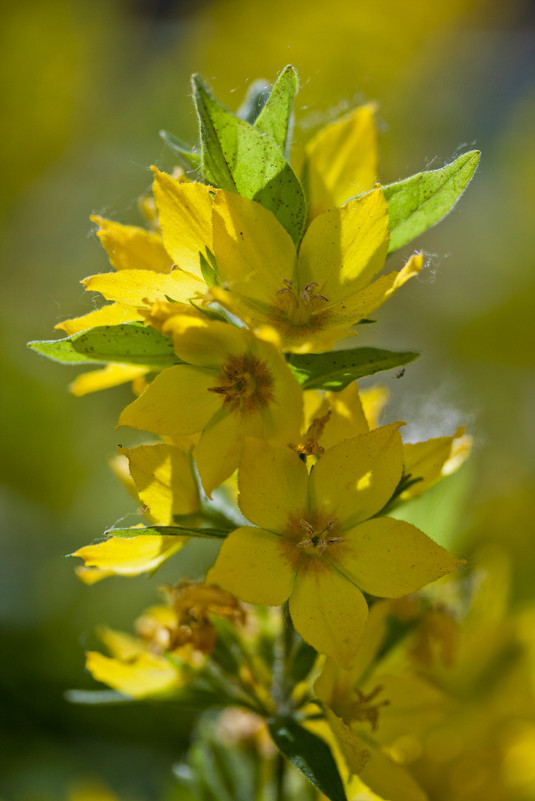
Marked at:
<point>362,303</point>
<point>110,376</point>
<point>428,461</point>
<point>132,248</point>
<point>90,575</point>
<point>178,401</point>
<point>414,705</point>
<point>373,401</point>
<point>389,780</point>
<point>112,314</point>
<point>252,566</point>
<point>119,644</point>
<point>185,215</point>
<point>144,676</point>
<point>273,485</point>
<point>130,556</point>
<point>328,611</point>
<point>391,558</point>
<point>347,418</point>
<point>254,252</point>
<point>164,480</point>
<point>341,160</point>
<point>141,288</point>
<point>344,249</point>
<point>203,342</point>
<point>218,451</point>
<point>356,478</point>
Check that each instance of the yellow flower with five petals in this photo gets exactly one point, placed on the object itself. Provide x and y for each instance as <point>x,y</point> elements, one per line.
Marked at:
<point>233,385</point>
<point>317,541</point>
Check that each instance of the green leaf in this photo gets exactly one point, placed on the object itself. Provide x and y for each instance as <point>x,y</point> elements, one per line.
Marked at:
<point>169,531</point>
<point>419,202</point>
<point>254,102</point>
<point>310,754</point>
<point>239,158</point>
<point>129,343</point>
<point>275,119</point>
<point>191,159</point>
<point>337,369</point>
<point>302,662</point>
<point>209,268</point>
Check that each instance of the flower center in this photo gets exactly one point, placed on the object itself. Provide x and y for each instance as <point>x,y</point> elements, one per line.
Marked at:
<point>299,307</point>
<point>364,707</point>
<point>316,540</point>
<point>245,383</point>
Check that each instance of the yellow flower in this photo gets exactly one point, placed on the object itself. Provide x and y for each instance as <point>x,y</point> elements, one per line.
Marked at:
<point>312,298</point>
<point>316,540</point>
<point>234,385</point>
<point>376,715</point>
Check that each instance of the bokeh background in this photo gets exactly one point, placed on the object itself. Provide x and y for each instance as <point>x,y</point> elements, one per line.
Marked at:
<point>85,87</point>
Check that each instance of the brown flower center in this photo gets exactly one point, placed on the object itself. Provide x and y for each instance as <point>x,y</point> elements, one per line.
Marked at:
<point>246,384</point>
<point>317,539</point>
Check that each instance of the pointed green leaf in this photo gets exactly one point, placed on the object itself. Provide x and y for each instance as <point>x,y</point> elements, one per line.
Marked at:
<point>310,754</point>
<point>191,159</point>
<point>239,158</point>
<point>169,531</point>
<point>254,101</point>
<point>337,369</point>
<point>129,343</point>
<point>275,119</point>
<point>419,202</point>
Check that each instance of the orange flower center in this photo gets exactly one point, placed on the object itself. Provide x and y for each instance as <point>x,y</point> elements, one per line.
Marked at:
<point>246,384</point>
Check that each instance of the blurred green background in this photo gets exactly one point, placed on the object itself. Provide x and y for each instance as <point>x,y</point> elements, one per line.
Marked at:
<point>85,87</point>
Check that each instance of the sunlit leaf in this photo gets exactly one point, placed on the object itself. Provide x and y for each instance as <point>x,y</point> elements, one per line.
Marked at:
<point>239,158</point>
<point>275,119</point>
<point>336,369</point>
<point>419,202</point>
<point>129,343</point>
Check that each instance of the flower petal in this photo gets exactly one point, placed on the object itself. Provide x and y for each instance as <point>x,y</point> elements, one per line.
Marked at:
<point>164,480</point>
<point>344,249</point>
<point>252,565</point>
<point>391,558</point>
<point>218,451</point>
<point>178,401</point>
<point>273,484</point>
<point>143,676</point>
<point>132,248</point>
<point>110,376</point>
<point>254,253</point>
<point>357,477</point>
<point>141,288</point>
<point>112,314</point>
<point>352,309</point>
<point>328,611</point>
<point>341,160</point>
<point>389,780</point>
<point>428,460</point>
<point>346,419</point>
<point>130,556</point>
<point>185,216</point>
<point>204,342</point>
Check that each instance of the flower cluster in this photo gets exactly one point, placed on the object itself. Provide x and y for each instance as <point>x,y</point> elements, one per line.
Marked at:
<point>224,312</point>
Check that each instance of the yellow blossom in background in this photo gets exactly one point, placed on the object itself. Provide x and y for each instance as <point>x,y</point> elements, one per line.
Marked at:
<point>317,542</point>
<point>233,385</point>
